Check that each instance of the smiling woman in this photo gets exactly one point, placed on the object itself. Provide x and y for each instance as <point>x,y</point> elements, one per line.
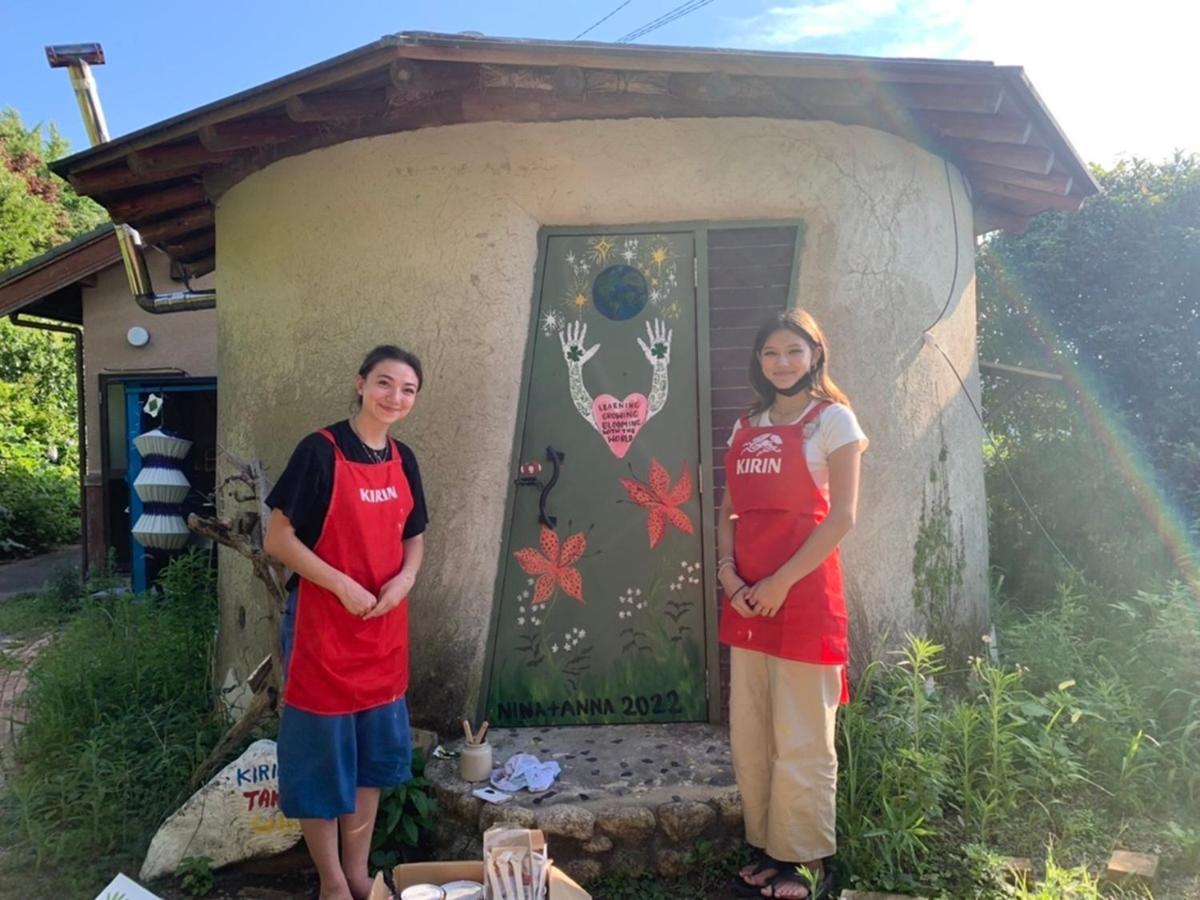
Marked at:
<point>348,518</point>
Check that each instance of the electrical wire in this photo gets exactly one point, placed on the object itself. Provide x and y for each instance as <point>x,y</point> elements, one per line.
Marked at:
<point>670,15</point>
<point>954,278</point>
<point>931,341</point>
<point>602,20</point>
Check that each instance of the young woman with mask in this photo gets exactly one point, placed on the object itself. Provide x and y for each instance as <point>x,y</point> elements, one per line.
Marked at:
<point>792,472</point>
<point>348,518</point>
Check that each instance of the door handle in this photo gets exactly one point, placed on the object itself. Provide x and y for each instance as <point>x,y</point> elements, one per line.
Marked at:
<point>555,457</point>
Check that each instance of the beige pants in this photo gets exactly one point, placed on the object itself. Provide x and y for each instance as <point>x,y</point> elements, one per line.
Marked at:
<point>781,730</point>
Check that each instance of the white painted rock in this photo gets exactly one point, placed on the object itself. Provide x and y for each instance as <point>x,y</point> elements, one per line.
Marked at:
<point>234,817</point>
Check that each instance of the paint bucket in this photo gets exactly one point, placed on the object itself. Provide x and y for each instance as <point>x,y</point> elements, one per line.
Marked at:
<point>476,762</point>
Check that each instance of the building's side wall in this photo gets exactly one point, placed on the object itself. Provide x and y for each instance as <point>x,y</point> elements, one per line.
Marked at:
<point>429,239</point>
<point>180,343</point>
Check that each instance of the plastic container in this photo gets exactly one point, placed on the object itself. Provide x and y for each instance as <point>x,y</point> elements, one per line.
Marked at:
<point>463,890</point>
<point>423,892</point>
<point>476,762</point>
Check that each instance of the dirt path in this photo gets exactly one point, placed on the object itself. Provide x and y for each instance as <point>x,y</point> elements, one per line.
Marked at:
<point>25,576</point>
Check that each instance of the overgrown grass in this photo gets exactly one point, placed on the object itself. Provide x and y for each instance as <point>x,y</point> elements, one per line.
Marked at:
<point>1086,726</point>
<point>120,711</point>
<point>63,597</point>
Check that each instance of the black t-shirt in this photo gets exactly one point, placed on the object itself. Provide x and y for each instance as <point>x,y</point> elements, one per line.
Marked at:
<point>305,488</point>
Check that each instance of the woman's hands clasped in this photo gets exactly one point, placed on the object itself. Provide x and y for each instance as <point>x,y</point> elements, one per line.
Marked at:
<point>766,597</point>
<point>356,598</point>
<point>362,604</point>
<point>737,590</point>
<point>392,595</point>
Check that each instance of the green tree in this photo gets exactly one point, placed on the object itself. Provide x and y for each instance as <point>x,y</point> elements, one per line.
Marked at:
<point>1109,296</point>
<point>39,458</point>
<point>37,209</point>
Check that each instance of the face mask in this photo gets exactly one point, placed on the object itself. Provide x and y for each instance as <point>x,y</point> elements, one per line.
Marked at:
<point>803,383</point>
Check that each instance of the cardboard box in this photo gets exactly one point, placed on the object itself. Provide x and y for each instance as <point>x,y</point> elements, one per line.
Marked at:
<point>561,885</point>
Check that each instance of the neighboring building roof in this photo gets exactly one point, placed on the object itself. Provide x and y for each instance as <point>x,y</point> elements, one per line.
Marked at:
<point>987,119</point>
<point>42,279</point>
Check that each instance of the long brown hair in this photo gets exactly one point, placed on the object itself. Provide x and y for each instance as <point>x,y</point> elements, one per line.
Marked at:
<point>797,321</point>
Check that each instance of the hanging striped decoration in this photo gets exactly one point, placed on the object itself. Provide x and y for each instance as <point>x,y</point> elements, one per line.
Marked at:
<point>162,487</point>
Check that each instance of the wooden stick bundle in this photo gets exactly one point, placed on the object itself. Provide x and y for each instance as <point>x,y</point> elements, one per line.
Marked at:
<point>474,738</point>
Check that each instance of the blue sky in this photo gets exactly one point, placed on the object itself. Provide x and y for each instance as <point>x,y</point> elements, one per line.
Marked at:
<point>1108,77</point>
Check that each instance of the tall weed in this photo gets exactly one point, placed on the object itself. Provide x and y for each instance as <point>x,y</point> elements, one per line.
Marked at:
<point>119,713</point>
<point>1087,723</point>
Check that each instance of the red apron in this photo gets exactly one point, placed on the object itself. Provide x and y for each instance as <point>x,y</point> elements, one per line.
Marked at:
<point>341,663</point>
<point>778,505</point>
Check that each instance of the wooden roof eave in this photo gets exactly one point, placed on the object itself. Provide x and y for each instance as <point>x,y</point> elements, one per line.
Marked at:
<point>986,119</point>
<point>58,268</point>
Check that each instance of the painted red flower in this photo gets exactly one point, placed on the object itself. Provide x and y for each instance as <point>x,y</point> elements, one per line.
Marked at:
<point>554,566</point>
<point>662,499</point>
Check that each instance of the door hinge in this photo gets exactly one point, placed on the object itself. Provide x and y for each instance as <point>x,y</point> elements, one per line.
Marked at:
<point>699,478</point>
<point>695,272</point>
<point>707,686</point>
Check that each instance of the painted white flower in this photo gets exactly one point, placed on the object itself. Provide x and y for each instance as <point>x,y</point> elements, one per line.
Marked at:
<point>520,620</point>
<point>582,633</point>
<point>554,648</point>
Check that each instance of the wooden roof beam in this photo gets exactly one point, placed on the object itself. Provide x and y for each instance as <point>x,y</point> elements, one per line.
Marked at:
<point>335,106</point>
<point>110,178</point>
<point>201,266</point>
<point>1039,201</point>
<point>993,218</point>
<point>173,158</point>
<point>701,86</point>
<point>161,201</point>
<point>1038,160</point>
<point>979,126</point>
<point>246,134</point>
<point>410,79</point>
<point>183,223</point>
<point>1054,183</point>
<point>193,245</point>
<point>965,98</point>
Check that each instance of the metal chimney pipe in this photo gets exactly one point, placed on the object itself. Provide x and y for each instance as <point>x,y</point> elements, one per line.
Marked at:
<point>78,59</point>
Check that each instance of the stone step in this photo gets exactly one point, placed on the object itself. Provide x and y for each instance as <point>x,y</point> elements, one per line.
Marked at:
<point>633,798</point>
<point>1126,865</point>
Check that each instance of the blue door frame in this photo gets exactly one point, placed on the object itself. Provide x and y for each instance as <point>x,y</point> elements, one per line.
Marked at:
<point>136,393</point>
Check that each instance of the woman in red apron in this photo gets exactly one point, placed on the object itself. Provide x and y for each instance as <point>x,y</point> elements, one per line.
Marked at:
<point>792,473</point>
<point>348,517</point>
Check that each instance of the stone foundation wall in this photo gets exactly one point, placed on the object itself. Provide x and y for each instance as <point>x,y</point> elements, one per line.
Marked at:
<point>588,838</point>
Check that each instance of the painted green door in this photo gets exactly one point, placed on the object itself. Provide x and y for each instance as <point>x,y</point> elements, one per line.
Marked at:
<point>602,607</point>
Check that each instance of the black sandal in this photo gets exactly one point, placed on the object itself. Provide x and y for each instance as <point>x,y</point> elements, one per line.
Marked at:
<point>791,874</point>
<point>762,863</point>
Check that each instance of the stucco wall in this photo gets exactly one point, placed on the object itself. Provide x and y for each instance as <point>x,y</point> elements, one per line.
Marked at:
<point>428,239</point>
<point>184,342</point>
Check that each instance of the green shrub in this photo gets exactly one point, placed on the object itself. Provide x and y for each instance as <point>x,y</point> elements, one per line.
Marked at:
<point>119,714</point>
<point>407,814</point>
<point>1087,727</point>
<point>39,498</point>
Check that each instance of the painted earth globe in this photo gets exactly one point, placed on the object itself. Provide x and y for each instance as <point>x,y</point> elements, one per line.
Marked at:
<point>619,293</point>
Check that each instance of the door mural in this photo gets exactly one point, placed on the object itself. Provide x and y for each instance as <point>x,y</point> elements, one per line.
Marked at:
<point>602,607</point>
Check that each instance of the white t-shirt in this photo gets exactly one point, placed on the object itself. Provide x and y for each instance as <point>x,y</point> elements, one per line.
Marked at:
<point>837,426</point>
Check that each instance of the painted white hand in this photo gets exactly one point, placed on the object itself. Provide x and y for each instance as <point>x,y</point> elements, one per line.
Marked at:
<point>573,338</point>
<point>658,351</point>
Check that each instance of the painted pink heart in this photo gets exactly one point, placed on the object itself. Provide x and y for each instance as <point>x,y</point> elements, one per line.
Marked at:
<point>619,421</point>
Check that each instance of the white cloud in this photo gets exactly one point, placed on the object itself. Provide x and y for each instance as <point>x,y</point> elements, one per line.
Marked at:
<point>1118,80</point>
<point>788,24</point>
